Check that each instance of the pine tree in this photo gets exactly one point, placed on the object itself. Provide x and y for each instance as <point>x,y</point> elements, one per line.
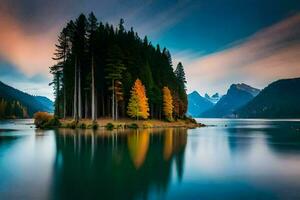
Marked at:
<point>92,26</point>
<point>168,104</point>
<point>180,74</point>
<point>56,70</point>
<point>61,52</point>
<point>114,69</point>
<point>79,49</point>
<point>102,62</point>
<point>181,91</point>
<point>138,102</point>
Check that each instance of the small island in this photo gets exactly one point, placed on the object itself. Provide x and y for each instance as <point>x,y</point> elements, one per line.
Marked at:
<point>107,76</point>
<point>47,121</point>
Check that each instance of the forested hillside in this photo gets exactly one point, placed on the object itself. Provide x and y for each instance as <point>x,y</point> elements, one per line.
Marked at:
<point>23,100</point>
<point>280,99</point>
<point>98,64</point>
<point>47,103</point>
<point>12,109</point>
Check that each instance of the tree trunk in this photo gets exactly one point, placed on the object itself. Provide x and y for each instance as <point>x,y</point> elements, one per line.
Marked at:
<point>85,106</point>
<point>103,103</point>
<point>57,94</point>
<point>96,105</point>
<point>79,94</point>
<point>108,100</point>
<point>116,109</point>
<point>65,104</point>
<point>64,82</point>
<point>152,110</point>
<point>113,100</point>
<point>75,93</point>
<point>93,92</point>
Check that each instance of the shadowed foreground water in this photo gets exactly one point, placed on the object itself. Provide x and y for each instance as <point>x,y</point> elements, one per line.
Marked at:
<point>237,159</point>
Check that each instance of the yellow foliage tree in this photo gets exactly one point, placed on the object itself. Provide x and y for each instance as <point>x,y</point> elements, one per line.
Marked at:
<point>138,102</point>
<point>168,103</point>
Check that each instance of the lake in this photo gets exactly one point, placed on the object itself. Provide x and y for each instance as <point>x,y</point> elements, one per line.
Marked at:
<point>230,159</point>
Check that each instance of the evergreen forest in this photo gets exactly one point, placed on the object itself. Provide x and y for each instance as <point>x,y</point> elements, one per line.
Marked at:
<point>98,67</point>
<point>12,109</point>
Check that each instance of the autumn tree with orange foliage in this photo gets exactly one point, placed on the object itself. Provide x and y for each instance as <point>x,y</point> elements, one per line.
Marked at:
<point>168,104</point>
<point>138,103</point>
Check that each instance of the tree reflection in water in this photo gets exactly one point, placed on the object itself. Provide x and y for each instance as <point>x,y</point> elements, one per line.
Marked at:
<point>117,164</point>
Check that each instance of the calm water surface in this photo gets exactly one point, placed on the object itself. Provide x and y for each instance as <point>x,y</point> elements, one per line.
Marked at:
<point>236,159</point>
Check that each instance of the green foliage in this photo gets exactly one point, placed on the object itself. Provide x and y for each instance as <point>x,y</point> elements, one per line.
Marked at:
<point>133,126</point>
<point>82,125</point>
<point>95,125</point>
<point>109,126</point>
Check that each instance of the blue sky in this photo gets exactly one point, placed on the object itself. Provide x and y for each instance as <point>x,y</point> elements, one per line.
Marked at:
<point>219,42</point>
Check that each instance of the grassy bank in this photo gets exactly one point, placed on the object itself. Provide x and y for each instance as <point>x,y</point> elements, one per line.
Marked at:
<point>46,121</point>
<point>128,123</point>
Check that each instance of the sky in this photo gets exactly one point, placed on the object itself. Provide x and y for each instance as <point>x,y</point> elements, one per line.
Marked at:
<point>219,42</point>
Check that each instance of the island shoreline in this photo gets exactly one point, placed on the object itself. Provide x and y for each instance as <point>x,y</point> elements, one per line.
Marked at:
<point>122,123</point>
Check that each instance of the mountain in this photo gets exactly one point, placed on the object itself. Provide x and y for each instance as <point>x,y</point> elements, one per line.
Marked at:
<point>214,98</point>
<point>197,104</point>
<point>33,104</point>
<point>47,103</point>
<point>236,96</point>
<point>280,99</point>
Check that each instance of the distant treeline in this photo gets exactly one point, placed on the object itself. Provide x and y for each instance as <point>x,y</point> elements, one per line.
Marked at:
<point>12,109</point>
<point>98,64</point>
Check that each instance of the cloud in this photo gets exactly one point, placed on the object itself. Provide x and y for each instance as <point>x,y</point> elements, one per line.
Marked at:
<point>30,52</point>
<point>29,32</point>
<point>270,54</point>
<point>162,18</point>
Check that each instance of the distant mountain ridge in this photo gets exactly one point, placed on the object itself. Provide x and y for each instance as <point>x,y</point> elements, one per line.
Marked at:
<point>213,98</point>
<point>197,104</point>
<point>47,103</point>
<point>237,95</point>
<point>32,103</point>
<point>253,91</point>
<point>280,99</point>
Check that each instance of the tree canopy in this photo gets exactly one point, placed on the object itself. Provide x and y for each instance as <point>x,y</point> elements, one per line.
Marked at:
<point>97,65</point>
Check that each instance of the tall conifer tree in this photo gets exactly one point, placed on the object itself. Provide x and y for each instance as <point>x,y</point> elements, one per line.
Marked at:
<point>92,26</point>
<point>114,69</point>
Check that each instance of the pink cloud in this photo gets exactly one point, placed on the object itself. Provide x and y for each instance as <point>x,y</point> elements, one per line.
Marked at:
<point>30,52</point>
<point>268,55</point>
